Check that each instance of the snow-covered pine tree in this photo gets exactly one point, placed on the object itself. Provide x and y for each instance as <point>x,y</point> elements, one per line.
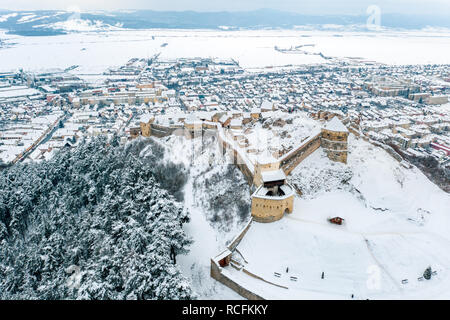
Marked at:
<point>99,210</point>
<point>427,273</point>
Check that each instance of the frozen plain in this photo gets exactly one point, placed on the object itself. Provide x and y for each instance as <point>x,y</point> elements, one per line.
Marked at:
<point>97,50</point>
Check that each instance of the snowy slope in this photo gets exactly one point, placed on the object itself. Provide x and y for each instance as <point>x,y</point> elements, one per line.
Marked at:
<point>81,25</point>
<point>396,225</point>
<point>196,264</point>
<point>209,235</point>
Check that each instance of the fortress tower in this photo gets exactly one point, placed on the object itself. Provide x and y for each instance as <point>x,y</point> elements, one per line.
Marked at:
<point>274,196</point>
<point>264,162</point>
<point>193,127</point>
<point>334,137</point>
<point>145,124</point>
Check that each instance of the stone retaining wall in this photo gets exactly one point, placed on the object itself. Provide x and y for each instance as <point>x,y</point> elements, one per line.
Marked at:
<point>217,274</point>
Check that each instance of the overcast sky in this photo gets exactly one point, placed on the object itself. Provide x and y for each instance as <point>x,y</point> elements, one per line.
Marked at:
<point>302,6</point>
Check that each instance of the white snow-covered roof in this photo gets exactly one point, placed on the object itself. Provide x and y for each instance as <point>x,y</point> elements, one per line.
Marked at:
<point>145,118</point>
<point>335,125</point>
<point>276,175</point>
<point>267,105</point>
<point>192,119</point>
<point>224,118</point>
<point>265,158</point>
<point>236,122</point>
<point>205,115</point>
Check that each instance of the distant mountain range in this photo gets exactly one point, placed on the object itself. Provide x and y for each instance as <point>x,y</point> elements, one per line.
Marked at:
<point>52,22</point>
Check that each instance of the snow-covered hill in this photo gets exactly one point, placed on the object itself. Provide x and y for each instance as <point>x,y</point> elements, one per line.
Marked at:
<point>396,225</point>
<point>23,22</point>
<point>212,182</point>
<point>218,188</point>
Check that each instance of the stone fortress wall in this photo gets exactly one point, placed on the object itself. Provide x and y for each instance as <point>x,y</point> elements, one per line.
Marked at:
<point>292,159</point>
<point>270,209</point>
<point>335,145</point>
<point>223,259</point>
<point>265,208</point>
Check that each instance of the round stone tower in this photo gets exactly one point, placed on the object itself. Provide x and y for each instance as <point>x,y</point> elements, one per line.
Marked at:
<point>334,137</point>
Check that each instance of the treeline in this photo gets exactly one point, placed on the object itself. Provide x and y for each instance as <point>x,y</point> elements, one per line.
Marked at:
<point>96,222</point>
<point>439,174</point>
<point>436,172</point>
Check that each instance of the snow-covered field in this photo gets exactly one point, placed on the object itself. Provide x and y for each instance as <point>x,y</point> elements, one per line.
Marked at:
<point>17,91</point>
<point>96,51</point>
<point>396,225</point>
